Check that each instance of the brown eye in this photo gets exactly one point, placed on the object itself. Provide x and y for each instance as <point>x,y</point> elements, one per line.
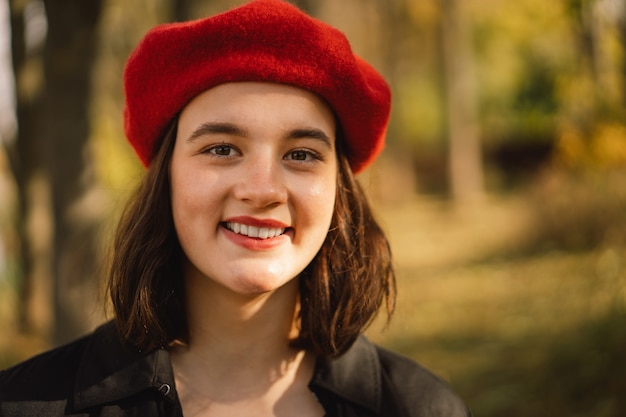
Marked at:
<point>299,155</point>
<point>303,155</point>
<point>222,150</point>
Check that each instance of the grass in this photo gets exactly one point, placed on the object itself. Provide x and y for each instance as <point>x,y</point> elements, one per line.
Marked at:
<point>516,333</point>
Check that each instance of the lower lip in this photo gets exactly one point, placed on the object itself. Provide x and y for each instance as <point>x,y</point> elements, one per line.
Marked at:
<point>255,244</point>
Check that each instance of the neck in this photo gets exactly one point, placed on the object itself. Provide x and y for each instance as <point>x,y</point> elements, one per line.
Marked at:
<point>239,356</point>
<point>230,331</point>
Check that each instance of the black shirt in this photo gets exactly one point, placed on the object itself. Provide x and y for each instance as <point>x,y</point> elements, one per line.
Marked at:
<point>97,376</point>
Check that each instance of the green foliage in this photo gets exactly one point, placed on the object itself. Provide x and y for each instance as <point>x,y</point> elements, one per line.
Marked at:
<point>519,58</point>
<point>538,65</point>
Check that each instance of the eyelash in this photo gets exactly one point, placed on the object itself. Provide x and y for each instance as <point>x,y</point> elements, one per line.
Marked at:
<point>308,153</point>
<point>213,150</point>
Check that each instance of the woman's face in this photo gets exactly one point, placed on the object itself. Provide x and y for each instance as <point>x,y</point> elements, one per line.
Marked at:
<point>253,178</point>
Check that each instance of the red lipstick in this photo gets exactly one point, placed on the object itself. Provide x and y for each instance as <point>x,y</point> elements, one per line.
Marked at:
<point>252,221</point>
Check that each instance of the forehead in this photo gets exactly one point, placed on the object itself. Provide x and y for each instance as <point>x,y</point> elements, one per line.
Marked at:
<point>260,102</point>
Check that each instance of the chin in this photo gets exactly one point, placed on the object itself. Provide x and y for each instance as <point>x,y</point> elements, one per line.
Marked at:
<point>259,284</point>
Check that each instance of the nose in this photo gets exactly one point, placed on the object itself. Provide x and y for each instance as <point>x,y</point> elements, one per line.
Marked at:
<point>261,183</point>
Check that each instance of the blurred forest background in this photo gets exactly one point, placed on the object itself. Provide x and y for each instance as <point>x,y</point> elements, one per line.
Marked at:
<point>503,185</point>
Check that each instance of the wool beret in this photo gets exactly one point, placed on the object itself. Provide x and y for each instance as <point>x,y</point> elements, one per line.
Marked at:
<point>263,40</point>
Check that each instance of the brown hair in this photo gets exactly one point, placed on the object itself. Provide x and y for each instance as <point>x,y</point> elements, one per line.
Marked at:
<point>340,291</point>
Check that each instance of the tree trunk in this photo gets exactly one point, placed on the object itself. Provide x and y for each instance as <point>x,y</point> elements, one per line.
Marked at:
<point>181,10</point>
<point>25,160</point>
<point>582,12</point>
<point>461,105</point>
<point>605,18</point>
<point>68,60</point>
<point>622,32</point>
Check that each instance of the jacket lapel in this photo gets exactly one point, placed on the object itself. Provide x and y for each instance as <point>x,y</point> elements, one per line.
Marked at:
<point>354,376</point>
<point>110,372</point>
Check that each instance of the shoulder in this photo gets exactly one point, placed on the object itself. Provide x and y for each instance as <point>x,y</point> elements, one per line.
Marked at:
<point>42,385</point>
<point>45,376</point>
<point>46,384</point>
<point>418,390</point>
<point>369,380</point>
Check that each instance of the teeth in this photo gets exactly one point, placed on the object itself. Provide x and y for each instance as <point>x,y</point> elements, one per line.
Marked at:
<point>254,231</point>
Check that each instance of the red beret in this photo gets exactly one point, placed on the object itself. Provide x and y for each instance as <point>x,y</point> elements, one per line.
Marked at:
<point>264,40</point>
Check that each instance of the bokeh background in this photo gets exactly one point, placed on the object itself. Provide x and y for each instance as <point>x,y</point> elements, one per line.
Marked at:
<point>502,187</point>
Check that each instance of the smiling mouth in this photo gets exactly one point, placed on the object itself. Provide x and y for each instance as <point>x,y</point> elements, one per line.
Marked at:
<point>254,231</point>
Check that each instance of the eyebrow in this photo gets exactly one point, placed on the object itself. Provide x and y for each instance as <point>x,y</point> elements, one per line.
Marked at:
<point>226,128</point>
<point>217,128</point>
<point>312,133</point>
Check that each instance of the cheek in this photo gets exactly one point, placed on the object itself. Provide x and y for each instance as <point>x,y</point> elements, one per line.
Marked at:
<point>322,197</point>
<point>191,185</point>
<point>190,199</point>
<point>181,197</point>
<point>181,214</point>
<point>326,197</point>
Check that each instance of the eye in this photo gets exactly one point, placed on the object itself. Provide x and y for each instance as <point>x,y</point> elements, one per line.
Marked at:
<point>303,155</point>
<point>221,150</point>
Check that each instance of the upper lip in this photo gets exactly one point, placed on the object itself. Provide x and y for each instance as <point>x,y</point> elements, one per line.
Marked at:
<point>253,221</point>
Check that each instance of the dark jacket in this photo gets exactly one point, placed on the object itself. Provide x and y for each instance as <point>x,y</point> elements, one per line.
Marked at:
<point>98,376</point>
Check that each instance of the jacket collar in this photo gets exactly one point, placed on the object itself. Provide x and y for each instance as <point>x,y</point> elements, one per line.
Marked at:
<point>109,372</point>
<point>355,376</point>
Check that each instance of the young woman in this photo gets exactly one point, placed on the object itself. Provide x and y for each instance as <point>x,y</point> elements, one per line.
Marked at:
<point>247,264</point>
